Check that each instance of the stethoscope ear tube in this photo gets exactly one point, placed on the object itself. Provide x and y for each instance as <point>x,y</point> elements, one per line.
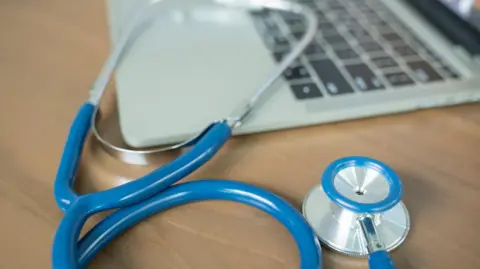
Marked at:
<point>378,257</point>
<point>238,115</point>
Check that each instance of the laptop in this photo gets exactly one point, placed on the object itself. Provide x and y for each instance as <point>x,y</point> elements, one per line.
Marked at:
<point>198,60</point>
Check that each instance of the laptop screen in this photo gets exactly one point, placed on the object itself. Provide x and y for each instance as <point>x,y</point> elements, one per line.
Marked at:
<point>468,10</point>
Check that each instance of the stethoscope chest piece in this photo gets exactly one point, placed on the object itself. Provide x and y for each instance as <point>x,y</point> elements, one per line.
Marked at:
<point>357,208</point>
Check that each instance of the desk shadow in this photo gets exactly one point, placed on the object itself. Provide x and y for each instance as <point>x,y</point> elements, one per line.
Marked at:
<point>335,260</point>
<point>418,195</point>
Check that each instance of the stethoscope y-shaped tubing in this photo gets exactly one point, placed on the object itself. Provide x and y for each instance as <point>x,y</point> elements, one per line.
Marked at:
<point>157,194</point>
<point>79,208</point>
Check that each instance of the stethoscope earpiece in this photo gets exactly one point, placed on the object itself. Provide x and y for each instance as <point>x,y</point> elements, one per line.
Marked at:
<point>357,208</point>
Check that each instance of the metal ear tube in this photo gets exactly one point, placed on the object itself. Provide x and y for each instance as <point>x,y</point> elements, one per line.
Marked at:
<point>357,210</point>
<point>378,256</point>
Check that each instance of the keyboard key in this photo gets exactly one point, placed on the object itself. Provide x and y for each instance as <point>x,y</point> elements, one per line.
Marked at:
<point>306,91</point>
<point>346,54</point>
<point>373,18</point>
<point>298,35</point>
<point>364,78</point>
<point>343,16</point>
<point>405,51</point>
<point>398,43</point>
<point>277,43</point>
<point>285,14</point>
<point>351,23</point>
<point>278,56</point>
<point>293,20</point>
<point>297,28</point>
<point>335,5</point>
<point>335,39</point>
<point>319,13</point>
<point>381,23</point>
<point>314,49</point>
<point>331,77</point>
<point>371,46</point>
<point>296,72</point>
<point>424,72</point>
<point>291,17</point>
<point>393,19</point>
<point>267,27</point>
<point>399,79</point>
<point>384,62</point>
<point>384,28</point>
<point>259,16</point>
<point>325,26</point>
<point>269,24</point>
<point>360,33</point>
<point>321,16</point>
<point>340,13</point>
<point>329,32</point>
<point>391,37</point>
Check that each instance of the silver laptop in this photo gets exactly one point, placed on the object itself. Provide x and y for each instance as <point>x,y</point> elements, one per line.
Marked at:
<point>198,60</point>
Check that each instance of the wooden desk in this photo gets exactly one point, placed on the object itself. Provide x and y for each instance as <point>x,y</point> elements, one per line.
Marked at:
<point>50,51</point>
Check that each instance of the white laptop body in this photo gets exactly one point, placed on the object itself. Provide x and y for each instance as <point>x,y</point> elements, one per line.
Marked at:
<point>198,60</point>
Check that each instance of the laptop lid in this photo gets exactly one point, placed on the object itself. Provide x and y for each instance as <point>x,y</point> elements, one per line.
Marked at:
<point>458,20</point>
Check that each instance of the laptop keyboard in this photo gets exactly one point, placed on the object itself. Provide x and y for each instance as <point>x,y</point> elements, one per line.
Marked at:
<point>360,46</point>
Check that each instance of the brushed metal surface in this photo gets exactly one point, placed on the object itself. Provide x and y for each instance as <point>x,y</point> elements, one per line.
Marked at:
<point>338,228</point>
<point>361,184</point>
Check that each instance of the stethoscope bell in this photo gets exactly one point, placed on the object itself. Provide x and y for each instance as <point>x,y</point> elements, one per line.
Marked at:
<point>357,209</point>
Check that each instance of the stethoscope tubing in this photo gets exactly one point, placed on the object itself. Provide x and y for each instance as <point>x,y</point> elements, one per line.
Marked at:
<point>137,190</point>
<point>155,192</point>
<point>152,193</point>
<point>67,253</point>
<point>72,151</point>
<point>123,219</point>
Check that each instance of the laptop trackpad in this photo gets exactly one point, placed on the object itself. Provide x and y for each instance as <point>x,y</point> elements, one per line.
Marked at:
<point>192,66</point>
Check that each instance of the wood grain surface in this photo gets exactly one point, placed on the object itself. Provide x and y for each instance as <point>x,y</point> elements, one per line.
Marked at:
<point>50,52</point>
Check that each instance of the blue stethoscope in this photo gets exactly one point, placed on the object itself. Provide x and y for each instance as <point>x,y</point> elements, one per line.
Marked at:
<point>363,206</point>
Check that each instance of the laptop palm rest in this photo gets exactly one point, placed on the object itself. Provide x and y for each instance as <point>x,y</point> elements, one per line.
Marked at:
<point>192,66</point>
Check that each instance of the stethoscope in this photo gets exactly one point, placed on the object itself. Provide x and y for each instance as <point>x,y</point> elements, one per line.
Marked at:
<point>331,212</point>
<point>357,210</point>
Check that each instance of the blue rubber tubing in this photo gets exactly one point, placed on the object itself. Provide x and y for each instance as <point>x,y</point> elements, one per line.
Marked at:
<point>115,224</point>
<point>153,193</point>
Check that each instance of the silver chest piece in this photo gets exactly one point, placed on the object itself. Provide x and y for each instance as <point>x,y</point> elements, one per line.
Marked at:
<point>357,209</point>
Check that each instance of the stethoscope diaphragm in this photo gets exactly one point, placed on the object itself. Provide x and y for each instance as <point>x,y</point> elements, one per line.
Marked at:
<point>353,188</point>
